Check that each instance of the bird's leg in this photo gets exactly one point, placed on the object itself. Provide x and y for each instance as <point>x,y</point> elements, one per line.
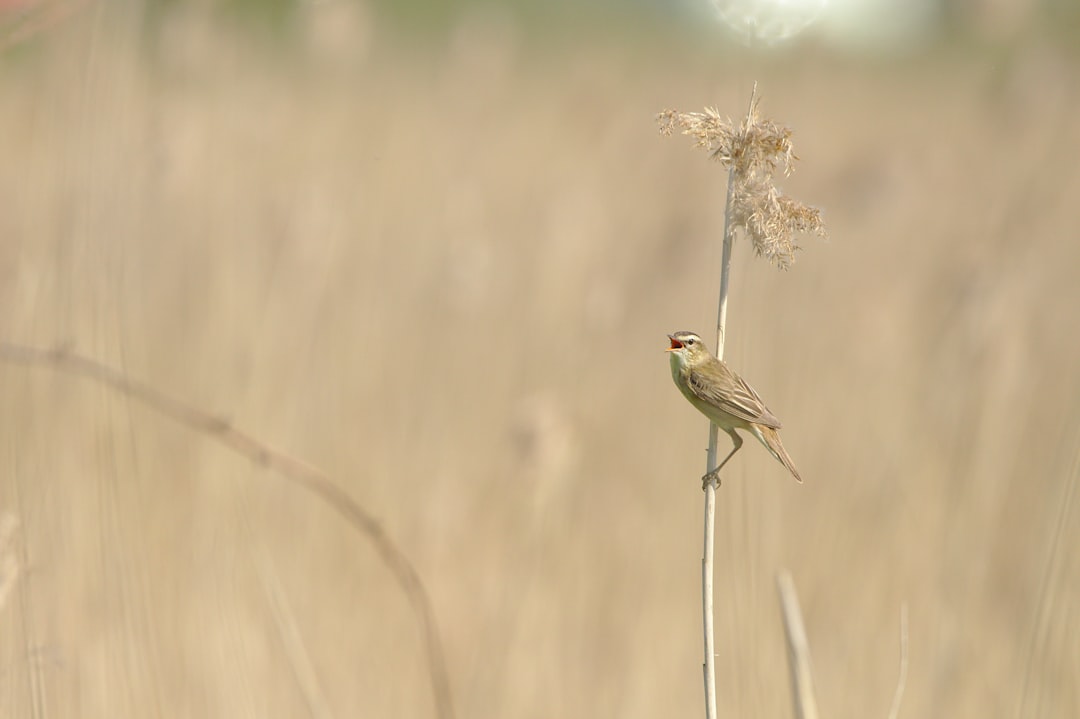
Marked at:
<point>713,477</point>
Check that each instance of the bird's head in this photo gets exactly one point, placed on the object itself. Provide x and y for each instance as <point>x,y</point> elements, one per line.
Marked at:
<point>688,348</point>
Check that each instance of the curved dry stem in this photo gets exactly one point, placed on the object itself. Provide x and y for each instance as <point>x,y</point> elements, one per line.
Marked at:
<point>306,475</point>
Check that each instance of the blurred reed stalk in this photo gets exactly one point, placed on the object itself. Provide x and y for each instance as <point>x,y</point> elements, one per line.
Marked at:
<point>752,152</point>
<point>798,646</point>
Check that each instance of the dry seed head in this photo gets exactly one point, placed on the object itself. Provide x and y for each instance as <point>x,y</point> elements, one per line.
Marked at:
<point>752,151</point>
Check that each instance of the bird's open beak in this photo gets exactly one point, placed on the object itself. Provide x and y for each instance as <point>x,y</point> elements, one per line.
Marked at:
<point>675,344</point>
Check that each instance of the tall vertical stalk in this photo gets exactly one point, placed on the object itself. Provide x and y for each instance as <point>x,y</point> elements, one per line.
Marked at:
<point>752,151</point>
<point>709,667</point>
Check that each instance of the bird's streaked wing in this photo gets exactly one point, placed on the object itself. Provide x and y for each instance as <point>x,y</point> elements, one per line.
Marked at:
<point>735,397</point>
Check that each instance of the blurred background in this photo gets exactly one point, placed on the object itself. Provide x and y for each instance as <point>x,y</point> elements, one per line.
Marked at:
<point>434,248</point>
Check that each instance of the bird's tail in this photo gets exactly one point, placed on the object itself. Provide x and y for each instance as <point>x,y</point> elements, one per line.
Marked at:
<point>771,439</point>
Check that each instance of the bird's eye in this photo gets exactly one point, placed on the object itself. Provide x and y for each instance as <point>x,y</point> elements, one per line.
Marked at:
<point>689,341</point>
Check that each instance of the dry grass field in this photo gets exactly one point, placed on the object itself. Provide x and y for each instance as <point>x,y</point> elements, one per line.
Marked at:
<point>444,274</point>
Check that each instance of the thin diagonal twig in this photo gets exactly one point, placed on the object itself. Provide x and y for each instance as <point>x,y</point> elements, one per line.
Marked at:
<point>306,475</point>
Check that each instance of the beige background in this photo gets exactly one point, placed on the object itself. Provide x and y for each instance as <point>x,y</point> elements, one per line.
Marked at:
<point>442,270</point>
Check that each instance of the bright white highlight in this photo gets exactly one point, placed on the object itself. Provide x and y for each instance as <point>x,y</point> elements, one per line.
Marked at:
<point>768,21</point>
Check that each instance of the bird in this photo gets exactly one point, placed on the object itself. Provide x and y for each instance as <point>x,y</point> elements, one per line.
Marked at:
<point>725,398</point>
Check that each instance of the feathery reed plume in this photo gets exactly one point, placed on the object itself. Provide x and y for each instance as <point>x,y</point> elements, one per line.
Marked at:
<point>753,151</point>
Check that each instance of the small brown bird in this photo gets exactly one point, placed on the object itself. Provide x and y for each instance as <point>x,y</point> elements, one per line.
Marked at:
<point>725,398</point>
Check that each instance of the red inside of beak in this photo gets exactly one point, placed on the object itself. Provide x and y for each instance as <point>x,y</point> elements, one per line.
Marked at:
<point>675,344</point>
